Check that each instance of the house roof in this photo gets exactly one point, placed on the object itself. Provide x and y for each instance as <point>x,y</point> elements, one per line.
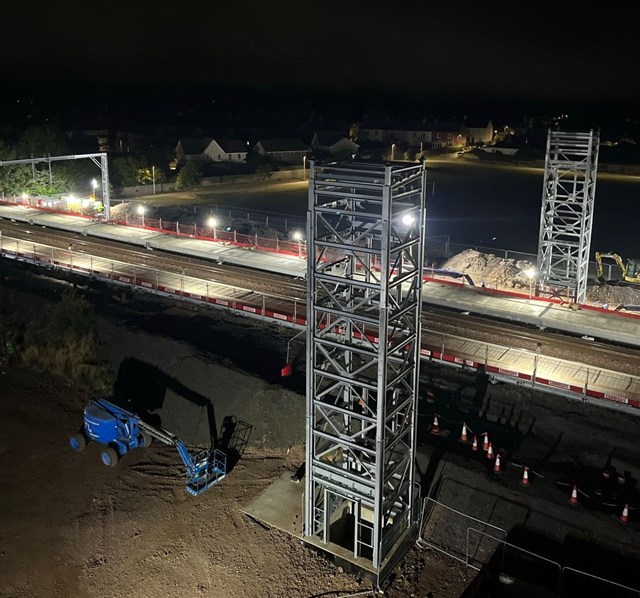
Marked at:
<point>283,145</point>
<point>194,146</point>
<point>477,123</point>
<point>232,146</point>
<point>328,138</point>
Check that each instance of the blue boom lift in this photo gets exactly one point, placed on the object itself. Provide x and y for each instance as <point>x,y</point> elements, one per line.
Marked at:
<point>119,431</point>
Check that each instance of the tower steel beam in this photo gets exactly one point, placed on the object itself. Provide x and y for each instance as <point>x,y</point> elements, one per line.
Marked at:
<point>566,219</point>
<point>365,259</point>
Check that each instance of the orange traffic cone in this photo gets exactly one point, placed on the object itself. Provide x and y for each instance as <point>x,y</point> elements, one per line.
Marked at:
<point>463,435</point>
<point>485,442</point>
<point>625,514</point>
<point>435,428</point>
<point>525,477</point>
<point>496,465</point>
<point>490,452</point>
<point>474,446</point>
<point>574,496</point>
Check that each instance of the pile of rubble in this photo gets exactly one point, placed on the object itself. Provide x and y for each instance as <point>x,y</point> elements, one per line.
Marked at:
<point>495,272</point>
<point>487,269</point>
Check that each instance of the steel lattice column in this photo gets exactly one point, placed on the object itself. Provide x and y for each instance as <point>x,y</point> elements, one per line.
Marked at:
<point>567,212</point>
<point>365,257</point>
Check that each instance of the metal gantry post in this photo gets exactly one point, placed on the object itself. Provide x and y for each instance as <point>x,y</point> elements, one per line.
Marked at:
<point>567,212</point>
<point>364,295</point>
<point>104,171</point>
<point>103,164</point>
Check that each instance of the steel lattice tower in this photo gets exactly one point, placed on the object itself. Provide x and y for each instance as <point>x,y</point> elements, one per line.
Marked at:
<point>567,212</point>
<point>365,257</point>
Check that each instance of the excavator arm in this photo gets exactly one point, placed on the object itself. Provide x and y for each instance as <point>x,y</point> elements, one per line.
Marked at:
<point>611,256</point>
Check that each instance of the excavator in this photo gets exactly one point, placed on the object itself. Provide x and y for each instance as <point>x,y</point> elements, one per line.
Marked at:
<point>630,269</point>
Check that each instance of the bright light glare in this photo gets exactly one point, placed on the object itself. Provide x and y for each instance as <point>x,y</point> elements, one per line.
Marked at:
<point>297,236</point>
<point>212,222</point>
<point>530,272</point>
<point>408,220</point>
<point>94,183</point>
<point>141,209</point>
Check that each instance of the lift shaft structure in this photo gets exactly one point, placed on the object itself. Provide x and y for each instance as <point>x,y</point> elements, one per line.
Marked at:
<point>566,219</point>
<point>365,260</point>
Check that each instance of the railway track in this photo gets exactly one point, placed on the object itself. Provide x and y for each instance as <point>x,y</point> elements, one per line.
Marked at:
<point>435,320</point>
<point>237,276</point>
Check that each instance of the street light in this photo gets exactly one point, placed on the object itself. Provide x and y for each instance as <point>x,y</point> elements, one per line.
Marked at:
<point>297,236</point>
<point>304,168</point>
<point>141,211</point>
<point>531,273</point>
<point>212,222</point>
<point>153,178</point>
<point>94,186</point>
<point>393,151</point>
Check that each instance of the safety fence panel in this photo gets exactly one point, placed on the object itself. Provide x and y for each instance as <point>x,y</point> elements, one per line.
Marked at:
<point>449,531</point>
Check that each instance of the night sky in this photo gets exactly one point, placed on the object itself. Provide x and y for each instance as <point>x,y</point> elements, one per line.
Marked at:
<point>438,52</point>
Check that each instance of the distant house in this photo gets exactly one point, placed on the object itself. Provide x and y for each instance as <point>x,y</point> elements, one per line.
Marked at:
<point>206,149</point>
<point>478,132</point>
<point>192,150</point>
<point>417,134</point>
<point>227,150</point>
<point>334,143</point>
<point>447,134</point>
<point>285,151</point>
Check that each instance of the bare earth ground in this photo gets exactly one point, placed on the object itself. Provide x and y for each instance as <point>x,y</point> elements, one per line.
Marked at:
<point>70,526</point>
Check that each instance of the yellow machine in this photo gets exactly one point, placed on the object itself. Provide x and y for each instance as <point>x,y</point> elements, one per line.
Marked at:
<point>630,270</point>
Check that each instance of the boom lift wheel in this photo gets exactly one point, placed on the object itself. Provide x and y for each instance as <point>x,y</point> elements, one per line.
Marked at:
<point>109,456</point>
<point>146,440</point>
<point>78,442</point>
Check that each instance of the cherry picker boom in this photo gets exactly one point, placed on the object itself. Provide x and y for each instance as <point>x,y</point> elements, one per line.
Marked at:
<point>119,431</point>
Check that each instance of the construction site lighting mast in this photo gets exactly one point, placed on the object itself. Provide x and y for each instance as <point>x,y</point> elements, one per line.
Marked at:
<point>366,225</point>
<point>566,219</point>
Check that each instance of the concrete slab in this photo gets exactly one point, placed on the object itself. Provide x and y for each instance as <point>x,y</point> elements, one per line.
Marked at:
<point>280,505</point>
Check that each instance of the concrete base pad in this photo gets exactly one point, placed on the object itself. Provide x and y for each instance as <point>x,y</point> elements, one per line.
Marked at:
<point>281,505</point>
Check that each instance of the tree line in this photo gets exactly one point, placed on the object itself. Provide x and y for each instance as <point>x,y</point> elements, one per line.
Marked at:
<point>76,176</point>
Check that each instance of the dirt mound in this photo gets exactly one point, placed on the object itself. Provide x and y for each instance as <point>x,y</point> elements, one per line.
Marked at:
<point>505,274</point>
<point>494,271</point>
<point>611,296</point>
